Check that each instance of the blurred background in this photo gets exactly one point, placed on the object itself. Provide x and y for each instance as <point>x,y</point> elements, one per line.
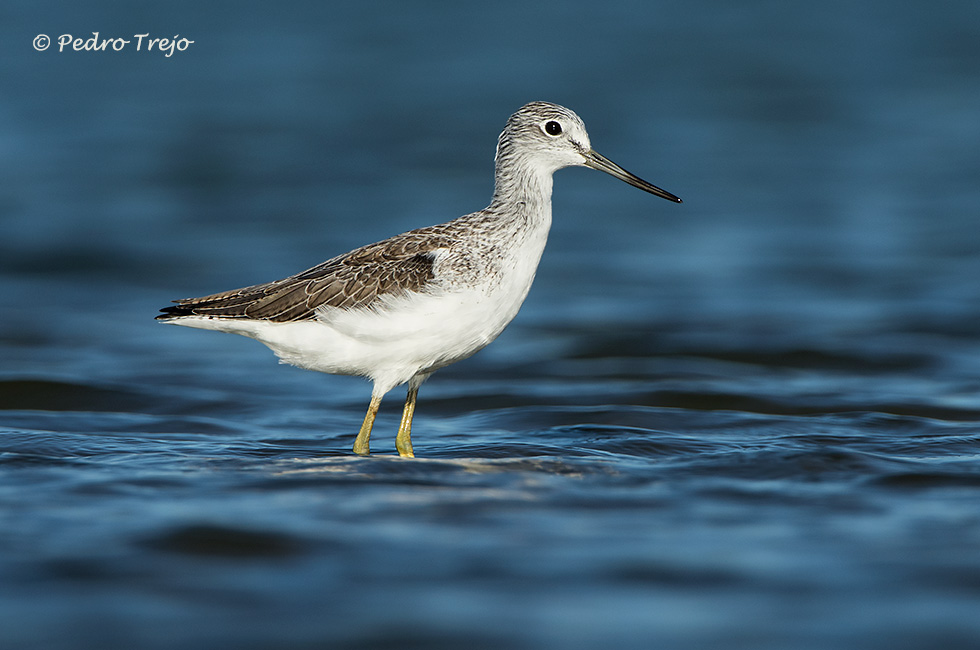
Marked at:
<point>750,419</point>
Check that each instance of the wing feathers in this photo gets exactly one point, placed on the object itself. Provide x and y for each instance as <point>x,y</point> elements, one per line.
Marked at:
<point>400,264</point>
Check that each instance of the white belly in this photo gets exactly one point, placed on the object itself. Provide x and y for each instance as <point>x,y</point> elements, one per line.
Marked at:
<point>390,342</point>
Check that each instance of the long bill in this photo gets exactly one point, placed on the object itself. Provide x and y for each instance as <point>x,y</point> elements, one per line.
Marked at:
<point>603,164</point>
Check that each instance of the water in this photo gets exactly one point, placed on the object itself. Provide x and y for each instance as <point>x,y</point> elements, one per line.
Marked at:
<point>749,421</point>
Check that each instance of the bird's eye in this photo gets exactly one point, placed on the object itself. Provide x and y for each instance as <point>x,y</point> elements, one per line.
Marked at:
<point>552,128</point>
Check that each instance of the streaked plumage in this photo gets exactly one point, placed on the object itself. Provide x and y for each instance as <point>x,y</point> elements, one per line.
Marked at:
<point>402,308</point>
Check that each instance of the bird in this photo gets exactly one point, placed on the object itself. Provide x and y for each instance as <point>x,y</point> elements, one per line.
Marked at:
<point>397,310</point>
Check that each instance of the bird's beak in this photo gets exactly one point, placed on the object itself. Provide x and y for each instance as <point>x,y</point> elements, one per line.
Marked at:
<point>603,164</point>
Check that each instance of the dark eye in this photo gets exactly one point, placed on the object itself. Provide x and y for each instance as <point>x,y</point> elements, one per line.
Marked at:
<point>552,128</point>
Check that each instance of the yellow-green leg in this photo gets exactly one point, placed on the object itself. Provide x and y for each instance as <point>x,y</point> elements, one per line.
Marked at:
<point>362,444</point>
<point>403,442</point>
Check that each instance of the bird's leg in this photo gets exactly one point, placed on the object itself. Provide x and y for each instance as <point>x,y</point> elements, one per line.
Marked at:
<point>362,445</point>
<point>403,442</point>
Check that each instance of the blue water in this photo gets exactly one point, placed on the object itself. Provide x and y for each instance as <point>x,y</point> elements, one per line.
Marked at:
<point>748,421</point>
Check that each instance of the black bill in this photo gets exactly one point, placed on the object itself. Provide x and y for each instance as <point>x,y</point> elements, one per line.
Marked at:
<point>603,164</point>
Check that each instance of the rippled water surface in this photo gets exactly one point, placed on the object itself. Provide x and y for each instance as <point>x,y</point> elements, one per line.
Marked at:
<point>748,421</point>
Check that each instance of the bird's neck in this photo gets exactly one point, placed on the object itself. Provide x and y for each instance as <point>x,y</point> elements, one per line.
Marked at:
<point>522,189</point>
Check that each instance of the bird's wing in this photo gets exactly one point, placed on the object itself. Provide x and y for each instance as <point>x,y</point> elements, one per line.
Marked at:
<point>354,280</point>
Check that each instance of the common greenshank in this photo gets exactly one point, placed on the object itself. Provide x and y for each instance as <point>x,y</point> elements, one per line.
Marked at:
<point>398,310</point>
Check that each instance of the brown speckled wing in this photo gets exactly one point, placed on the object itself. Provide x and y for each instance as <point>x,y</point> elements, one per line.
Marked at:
<point>400,264</point>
